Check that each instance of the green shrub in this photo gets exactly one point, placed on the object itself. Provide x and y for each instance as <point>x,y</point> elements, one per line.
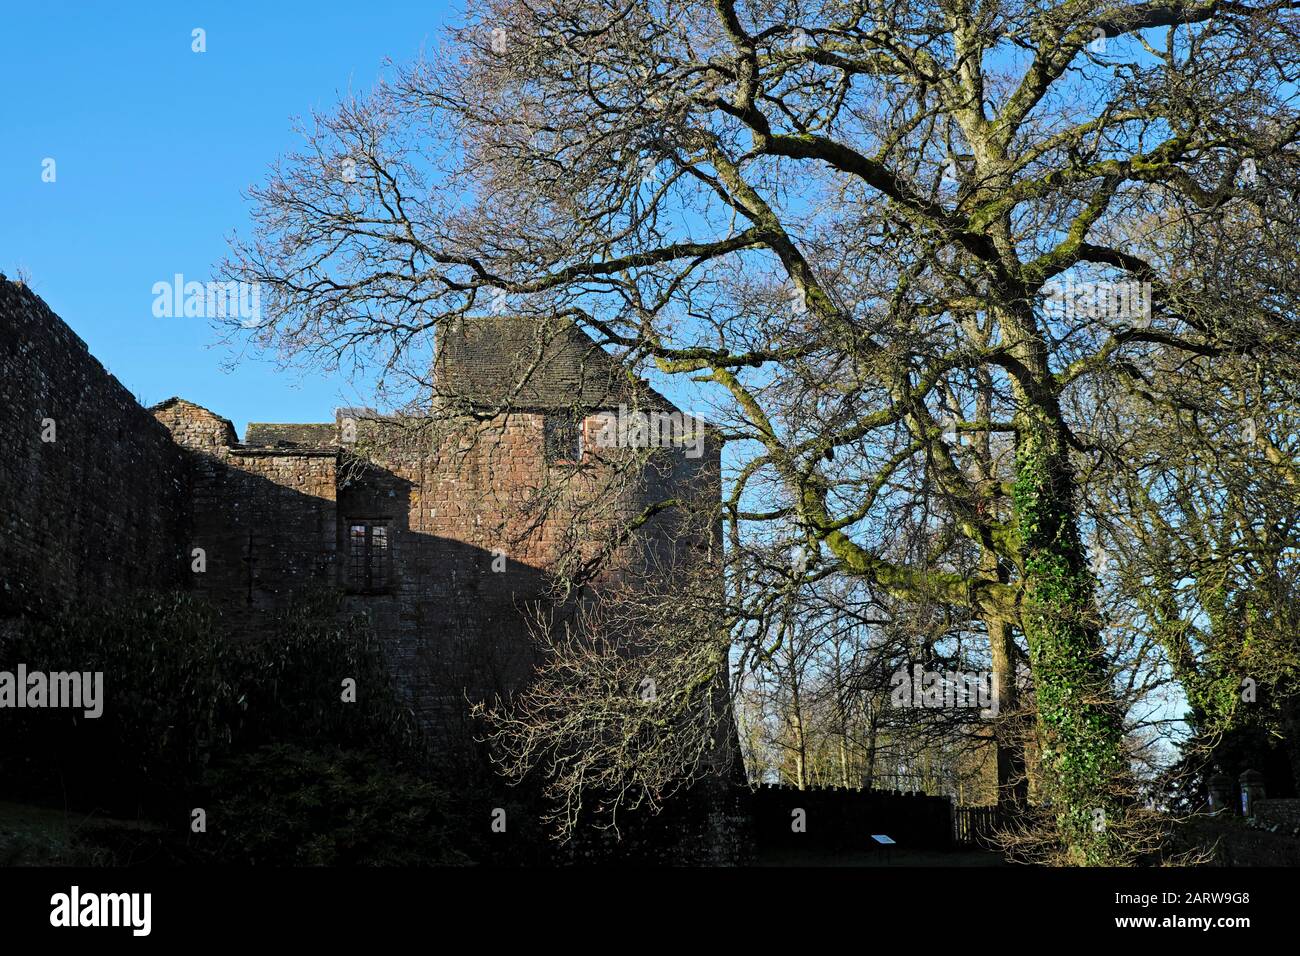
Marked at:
<point>254,731</point>
<point>287,805</point>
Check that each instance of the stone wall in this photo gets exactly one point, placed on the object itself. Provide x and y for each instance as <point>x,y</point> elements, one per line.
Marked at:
<point>1279,816</point>
<point>267,525</point>
<point>263,528</point>
<point>477,519</point>
<point>122,497</point>
<point>194,427</point>
<point>92,487</point>
<point>709,824</point>
<point>475,515</point>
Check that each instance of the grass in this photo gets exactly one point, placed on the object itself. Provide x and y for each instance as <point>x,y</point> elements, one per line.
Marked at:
<point>43,836</point>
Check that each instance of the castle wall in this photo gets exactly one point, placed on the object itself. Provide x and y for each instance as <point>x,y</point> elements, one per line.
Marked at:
<point>475,518</point>
<point>467,563</point>
<point>121,496</point>
<point>99,508</point>
<point>263,519</point>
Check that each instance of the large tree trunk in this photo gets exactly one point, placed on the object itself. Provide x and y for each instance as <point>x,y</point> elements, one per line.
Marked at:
<point>1085,774</point>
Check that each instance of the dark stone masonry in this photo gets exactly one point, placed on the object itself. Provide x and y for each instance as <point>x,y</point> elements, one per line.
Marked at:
<point>440,527</point>
<point>93,491</point>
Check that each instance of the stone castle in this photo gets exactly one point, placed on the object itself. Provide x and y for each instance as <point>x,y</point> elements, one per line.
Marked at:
<point>441,527</point>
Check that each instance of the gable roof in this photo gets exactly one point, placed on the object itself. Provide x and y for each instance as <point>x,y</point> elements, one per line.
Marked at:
<point>531,363</point>
<point>177,400</point>
<point>184,405</point>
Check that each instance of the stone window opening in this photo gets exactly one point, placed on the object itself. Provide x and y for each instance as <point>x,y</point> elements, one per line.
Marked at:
<point>369,555</point>
<point>562,436</point>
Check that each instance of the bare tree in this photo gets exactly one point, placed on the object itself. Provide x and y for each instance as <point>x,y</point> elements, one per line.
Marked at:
<point>846,227</point>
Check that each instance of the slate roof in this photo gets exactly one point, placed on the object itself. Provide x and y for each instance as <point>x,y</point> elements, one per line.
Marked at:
<point>273,435</point>
<point>531,363</point>
<point>496,362</point>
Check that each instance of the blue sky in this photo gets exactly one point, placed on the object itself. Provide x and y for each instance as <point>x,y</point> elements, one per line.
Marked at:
<point>153,144</point>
